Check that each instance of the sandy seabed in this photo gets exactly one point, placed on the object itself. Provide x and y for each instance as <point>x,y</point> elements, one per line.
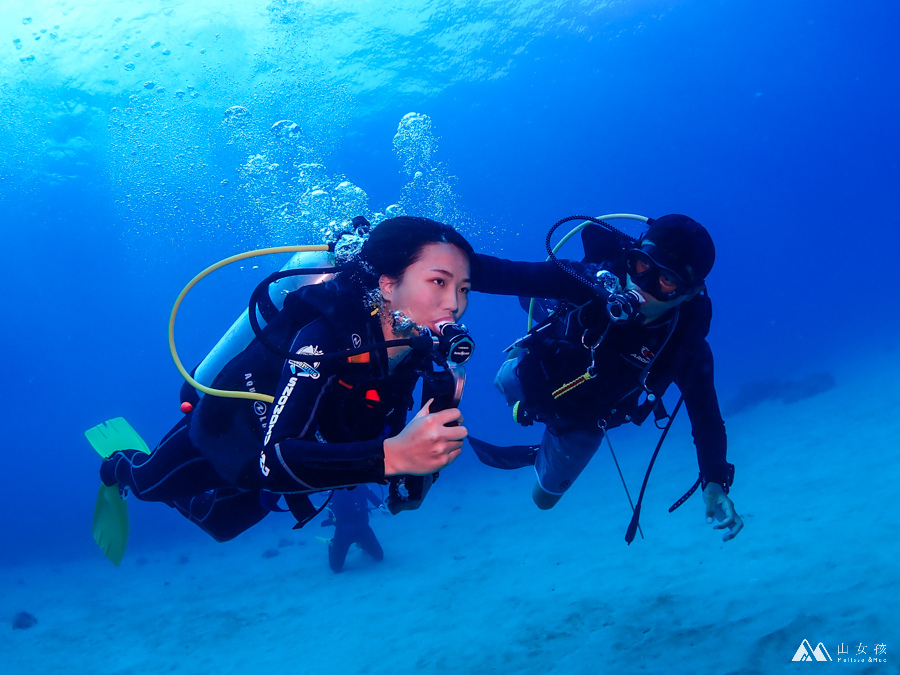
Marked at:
<point>481,581</point>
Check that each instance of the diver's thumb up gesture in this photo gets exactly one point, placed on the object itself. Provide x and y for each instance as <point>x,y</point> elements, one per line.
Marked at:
<point>427,444</point>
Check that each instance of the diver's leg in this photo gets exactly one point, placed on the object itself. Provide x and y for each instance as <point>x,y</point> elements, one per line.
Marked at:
<point>173,470</point>
<point>368,542</point>
<point>544,500</point>
<point>560,460</point>
<point>337,549</point>
<point>223,514</point>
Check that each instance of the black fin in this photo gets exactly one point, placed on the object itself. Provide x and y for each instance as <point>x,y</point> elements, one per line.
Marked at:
<point>508,457</point>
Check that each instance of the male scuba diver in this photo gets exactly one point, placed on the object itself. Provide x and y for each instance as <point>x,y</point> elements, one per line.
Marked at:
<point>631,320</point>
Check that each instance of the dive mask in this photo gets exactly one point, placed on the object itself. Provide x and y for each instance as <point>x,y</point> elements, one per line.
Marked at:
<point>662,276</point>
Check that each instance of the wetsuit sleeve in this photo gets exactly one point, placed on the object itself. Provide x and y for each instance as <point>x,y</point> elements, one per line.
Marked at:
<point>499,276</point>
<point>708,429</point>
<point>292,460</point>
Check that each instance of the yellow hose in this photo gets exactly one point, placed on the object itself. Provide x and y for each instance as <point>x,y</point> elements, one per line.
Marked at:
<point>212,268</point>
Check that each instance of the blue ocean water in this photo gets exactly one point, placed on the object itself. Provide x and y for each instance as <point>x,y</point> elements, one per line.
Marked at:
<point>125,169</point>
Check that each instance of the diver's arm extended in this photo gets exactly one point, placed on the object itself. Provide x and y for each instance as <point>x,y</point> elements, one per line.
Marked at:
<point>702,404</point>
<point>499,276</point>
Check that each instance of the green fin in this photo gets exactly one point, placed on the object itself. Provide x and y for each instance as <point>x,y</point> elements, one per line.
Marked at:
<point>111,513</point>
<point>115,434</point>
<point>111,523</point>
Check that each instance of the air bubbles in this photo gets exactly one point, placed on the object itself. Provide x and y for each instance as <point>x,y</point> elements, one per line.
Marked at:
<point>257,164</point>
<point>149,85</point>
<point>286,129</point>
<point>414,142</point>
<point>236,115</point>
<point>156,44</point>
<point>311,173</point>
<point>179,93</point>
<point>165,52</point>
<point>350,199</point>
<point>129,66</point>
<point>26,21</point>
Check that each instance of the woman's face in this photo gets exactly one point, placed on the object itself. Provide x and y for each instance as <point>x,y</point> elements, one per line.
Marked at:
<point>432,290</point>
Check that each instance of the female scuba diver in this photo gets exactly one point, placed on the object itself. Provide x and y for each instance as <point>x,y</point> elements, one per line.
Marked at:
<point>338,420</point>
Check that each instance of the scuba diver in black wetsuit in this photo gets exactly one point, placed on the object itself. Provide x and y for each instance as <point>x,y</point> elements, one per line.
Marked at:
<point>349,514</point>
<point>337,420</point>
<point>632,320</point>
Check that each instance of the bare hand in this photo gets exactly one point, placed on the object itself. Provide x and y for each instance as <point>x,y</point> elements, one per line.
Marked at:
<point>720,507</point>
<point>427,444</point>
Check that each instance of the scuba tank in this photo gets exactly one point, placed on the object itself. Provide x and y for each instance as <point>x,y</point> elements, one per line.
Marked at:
<point>237,338</point>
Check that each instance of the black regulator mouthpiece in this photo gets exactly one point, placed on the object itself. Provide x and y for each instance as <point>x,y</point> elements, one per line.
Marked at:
<point>452,341</point>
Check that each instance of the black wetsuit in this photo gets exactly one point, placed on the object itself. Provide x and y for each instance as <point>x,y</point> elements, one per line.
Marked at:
<point>350,517</point>
<point>223,465</point>
<point>635,364</point>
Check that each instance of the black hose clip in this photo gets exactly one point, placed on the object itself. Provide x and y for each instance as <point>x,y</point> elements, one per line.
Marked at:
<point>625,306</point>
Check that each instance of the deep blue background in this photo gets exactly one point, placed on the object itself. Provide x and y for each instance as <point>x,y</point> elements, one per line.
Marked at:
<point>773,124</point>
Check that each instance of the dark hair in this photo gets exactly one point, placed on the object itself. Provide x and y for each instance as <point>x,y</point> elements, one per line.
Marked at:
<point>397,243</point>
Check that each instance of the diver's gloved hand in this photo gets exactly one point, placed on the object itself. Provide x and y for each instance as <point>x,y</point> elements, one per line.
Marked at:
<point>407,493</point>
<point>719,507</point>
<point>625,307</point>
